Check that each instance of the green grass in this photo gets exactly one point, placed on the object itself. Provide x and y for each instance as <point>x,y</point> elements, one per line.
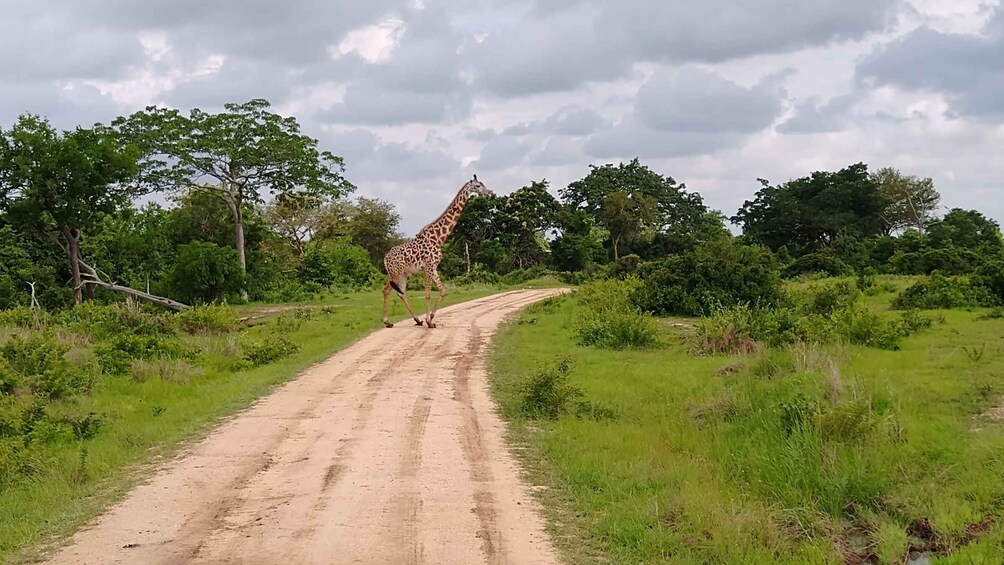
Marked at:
<point>149,417</point>
<point>783,457</point>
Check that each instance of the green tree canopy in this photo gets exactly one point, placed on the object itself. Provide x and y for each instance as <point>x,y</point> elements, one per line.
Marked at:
<point>238,155</point>
<point>808,213</point>
<point>59,184</point>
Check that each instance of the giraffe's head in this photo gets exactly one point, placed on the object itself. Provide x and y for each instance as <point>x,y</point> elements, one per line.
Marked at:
<point>475,187</point>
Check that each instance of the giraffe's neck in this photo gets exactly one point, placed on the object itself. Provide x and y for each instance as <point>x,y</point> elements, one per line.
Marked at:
<point>437,232</point>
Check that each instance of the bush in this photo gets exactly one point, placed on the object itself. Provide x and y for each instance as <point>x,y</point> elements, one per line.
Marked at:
<point>811,263</point>
<point>940,292</point>
<point>991,277</point>
<point>206,272</point>
<point>269,350</point>
<point>478,276</point>
<point>104,320</point>
<point>547,393</point>
<point>720,273</point>
<point>609,320</point>
<point>39,365</point>
<point>210,319</point>
<point>116,356</point>
<point>351,265</point>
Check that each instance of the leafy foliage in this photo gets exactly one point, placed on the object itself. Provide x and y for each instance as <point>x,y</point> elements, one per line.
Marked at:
<point>720,273</point>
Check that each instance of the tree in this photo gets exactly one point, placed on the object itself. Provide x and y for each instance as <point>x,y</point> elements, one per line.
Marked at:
<point>60,183</point>
<point>373,225</point>
<point>295,218</point>
<point>652,201</point>
<point>525,216</point>
<point>912,201</point>
<point>627,216</point>
<point>244,152</point>
<point>809,213</point>
<point>968,229</point>
<point>206,272</point>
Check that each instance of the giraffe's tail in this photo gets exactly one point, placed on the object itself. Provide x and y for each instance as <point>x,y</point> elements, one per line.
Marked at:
<point>396,288</point>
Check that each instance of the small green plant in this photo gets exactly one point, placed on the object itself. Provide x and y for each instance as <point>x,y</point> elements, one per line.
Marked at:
<point>975,355</point>
<point>269,350</point>
<point>547,394</point>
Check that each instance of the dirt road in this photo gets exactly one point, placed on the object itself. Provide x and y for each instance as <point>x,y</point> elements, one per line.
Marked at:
<point>390,452</point>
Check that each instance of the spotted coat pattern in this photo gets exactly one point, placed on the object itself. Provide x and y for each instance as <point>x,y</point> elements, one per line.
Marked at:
<point>423,254</point>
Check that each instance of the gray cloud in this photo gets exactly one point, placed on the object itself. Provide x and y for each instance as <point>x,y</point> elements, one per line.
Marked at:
<point>571,44</point>
<point>65,106</point>
<point>968,69</point>
<point>689,112</point>
<point>632,138</point>
<point>40,44</point>
<point>559,151</point>
<point>813,117</point>
<point>572,120</point>
<point>369,159</point>
<point>501,152</point>
<point>695,100</point>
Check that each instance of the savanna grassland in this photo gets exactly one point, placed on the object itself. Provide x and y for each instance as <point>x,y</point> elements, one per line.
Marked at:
<point>829,428</point>
<point>90,395</point>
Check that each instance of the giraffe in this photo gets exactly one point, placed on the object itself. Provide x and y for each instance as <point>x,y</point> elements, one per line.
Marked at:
<point>423,254</point>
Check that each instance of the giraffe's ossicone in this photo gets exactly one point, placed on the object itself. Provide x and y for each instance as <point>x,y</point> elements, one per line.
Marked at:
<point>423,254</point>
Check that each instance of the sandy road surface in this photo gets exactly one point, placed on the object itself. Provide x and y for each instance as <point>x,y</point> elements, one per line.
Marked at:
<point>390,452</point>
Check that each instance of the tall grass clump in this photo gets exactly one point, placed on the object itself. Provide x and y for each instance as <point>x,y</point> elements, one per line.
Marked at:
<point>609,320</point>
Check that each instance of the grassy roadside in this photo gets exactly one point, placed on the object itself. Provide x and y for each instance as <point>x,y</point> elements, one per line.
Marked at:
<point>831,454</point>
<point>143,419</point>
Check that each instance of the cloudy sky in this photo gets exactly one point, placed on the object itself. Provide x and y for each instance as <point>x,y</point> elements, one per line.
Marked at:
<point>417,95</point>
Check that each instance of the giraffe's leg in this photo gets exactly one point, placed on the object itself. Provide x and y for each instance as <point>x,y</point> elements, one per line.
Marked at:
<point>386,304</point>
<point>401,287</point>
<point>428,297</point>
<point>442,293</point>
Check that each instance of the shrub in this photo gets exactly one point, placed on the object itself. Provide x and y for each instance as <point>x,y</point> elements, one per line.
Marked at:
<point>479,276</point>
<point>104,320</point>
<point>940,292</point>
<point>210,319</point>
<point>726,332</point>
<point>617,330</point>
<point>269,350</point>
<point>547,393</point>
<point>205,272</point>
<point>39,364</point>
<point>23,317</point>
<point>817,263</point>
<point>991,277</point>
<point>609,320</point>
<point>116,356</point>
<point>719,273</point>
<point>338,263</point>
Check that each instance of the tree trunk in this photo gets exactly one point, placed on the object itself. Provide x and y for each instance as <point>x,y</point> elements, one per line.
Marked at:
<point>617,241</point>
<point>238,215</point>
<point>73,253</point>
<point>467,256</point>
